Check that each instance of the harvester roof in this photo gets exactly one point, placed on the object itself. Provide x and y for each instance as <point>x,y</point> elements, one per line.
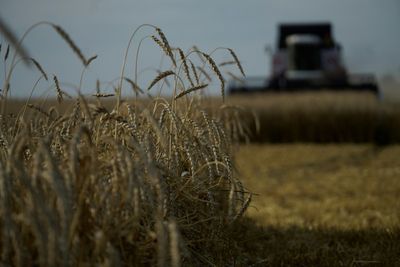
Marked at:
<point>321,30</point>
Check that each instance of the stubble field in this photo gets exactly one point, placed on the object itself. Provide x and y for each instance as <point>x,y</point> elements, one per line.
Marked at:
<point>323,205</point>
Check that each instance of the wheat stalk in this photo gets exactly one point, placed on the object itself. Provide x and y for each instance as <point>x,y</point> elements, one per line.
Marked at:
<point>234,77</point>
<point>174,244</point>
<point>97,86</point>
<point>202,71</point>
<point>199,54</point>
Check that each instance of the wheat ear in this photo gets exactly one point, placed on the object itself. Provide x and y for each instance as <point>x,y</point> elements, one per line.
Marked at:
<point>59,92</point>
<point>7,53</point>
<point>97,86</point>
<point>233,76</point>
<point>90,60</point>
<point>71,43</point>
<point>192,89</point>
<point>160,76</point>
<point>237,61</point>
<point>243,208</point>
<point>160,44</point>
<point>39,109</point>
<point>134,86</point>
<point>12,39</point>
<point>196,76</point>
<point>166,44</point>
<point>102,95</point>
<point>217,72</point>
<point>231,62</point>
<point>185,66</point>
<point>39,67</point>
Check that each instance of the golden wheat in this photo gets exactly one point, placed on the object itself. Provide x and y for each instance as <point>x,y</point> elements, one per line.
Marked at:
<point>94,185</point>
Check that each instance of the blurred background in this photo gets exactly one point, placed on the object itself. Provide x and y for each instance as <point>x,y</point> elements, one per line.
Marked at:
<point>367,30</point>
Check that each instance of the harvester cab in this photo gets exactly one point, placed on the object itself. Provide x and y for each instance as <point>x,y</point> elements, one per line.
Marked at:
<point>306,58</point>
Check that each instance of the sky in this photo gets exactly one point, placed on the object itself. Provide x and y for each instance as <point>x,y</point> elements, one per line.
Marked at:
<point>368,31</point>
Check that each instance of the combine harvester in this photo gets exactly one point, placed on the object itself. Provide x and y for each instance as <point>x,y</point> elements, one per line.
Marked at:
<point>307,57</point>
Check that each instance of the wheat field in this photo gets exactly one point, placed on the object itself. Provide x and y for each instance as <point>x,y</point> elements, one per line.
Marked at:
<point>319,117</point>
<point>99,180</point>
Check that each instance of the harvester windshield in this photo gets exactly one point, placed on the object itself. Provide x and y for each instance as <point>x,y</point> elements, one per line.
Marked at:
<point>304,52</point>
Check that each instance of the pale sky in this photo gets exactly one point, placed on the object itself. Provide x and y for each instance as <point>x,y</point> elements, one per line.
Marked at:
<point>369,31</point>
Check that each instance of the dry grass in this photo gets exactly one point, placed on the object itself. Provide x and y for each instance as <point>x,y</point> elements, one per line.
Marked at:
<point>129,184</point>
<point>323,205</point>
